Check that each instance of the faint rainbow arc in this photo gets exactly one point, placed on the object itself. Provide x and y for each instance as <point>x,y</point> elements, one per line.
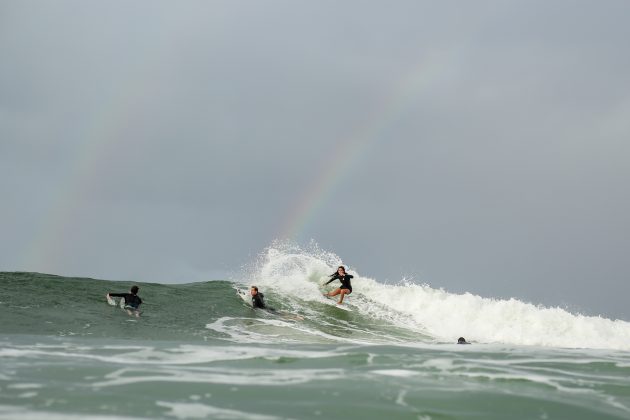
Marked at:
<point>101,134</point>
<point>357,144</point>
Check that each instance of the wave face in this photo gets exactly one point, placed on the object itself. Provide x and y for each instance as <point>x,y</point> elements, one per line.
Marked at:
<point>291,279</point>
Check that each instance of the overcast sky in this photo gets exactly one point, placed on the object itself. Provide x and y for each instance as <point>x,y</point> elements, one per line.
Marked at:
<point>475,146</point>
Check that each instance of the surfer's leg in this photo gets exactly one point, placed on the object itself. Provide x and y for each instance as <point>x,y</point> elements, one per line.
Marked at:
<point>343,292</point>
<point>333,293</point>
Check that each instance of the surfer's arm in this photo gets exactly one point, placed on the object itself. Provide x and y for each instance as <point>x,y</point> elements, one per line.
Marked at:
<point>334,277</point>
<point>117,294</point>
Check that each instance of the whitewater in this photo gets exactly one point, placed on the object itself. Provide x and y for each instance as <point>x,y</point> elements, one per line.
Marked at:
<point>290,271</point>
<point>200,351</point>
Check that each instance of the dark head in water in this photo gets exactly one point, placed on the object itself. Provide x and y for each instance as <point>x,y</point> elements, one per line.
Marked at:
<point>134,290</point>
<point>462,340</point>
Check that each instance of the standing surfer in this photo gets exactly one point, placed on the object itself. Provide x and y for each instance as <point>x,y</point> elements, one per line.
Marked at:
<point>345,288</point>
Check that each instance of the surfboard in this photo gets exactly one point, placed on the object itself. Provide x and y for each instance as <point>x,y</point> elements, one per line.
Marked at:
<point>112,302</point>
<point>121,304</point>
<point>333,301</point>
<point>244,295</point>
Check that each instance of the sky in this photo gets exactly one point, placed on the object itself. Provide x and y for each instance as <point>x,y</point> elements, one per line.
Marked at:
<point>478,147</point>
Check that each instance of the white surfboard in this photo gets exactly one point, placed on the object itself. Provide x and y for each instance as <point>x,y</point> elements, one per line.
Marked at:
<point>244,295</point>
<point>333,301</point>
<point>112,302</point>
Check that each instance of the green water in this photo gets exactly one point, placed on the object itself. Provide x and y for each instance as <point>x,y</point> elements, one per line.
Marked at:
<point>199,351</point>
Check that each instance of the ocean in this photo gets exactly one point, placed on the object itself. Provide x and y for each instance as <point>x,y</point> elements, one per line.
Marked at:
<point>200,351</point>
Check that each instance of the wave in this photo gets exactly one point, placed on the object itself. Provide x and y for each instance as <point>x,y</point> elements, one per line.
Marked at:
<point>440,315</point>
<point>291,278</point>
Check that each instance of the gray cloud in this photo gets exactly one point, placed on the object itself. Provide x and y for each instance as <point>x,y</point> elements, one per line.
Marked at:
<point>168,142</point>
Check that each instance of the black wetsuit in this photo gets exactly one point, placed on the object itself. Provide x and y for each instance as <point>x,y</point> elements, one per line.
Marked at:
<point>258,301</point>
<point>345,281</point>
<point>130,299</point>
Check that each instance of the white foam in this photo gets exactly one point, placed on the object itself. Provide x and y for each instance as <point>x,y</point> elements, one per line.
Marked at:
<point>399,373</point>
<point>299,273</point>
<point>447,316</point>
<point>202,411</point>
<point>25,386</point>
<point>9,412</point>
<point>206,375</point>
<point>180,355</point>
<point>256,332</point>
<point>293,271</point>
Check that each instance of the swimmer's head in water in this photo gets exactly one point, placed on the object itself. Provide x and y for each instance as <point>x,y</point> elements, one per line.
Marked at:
<point>134,289</point>
<point>253,290</point>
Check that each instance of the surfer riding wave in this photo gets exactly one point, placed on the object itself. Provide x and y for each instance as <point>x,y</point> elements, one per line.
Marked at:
<point>346,286</point>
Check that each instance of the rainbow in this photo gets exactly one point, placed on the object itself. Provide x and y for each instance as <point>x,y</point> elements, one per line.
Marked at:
<point>102,137</point>
<point>356,146</point>
<point>105,132</point>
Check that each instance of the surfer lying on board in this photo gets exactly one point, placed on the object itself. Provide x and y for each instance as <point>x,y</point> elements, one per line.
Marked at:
<point>132,300</point>
<point>258,302</point>
<point>345,288</point>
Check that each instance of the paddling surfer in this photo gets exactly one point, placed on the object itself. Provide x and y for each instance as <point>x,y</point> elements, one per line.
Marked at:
<point>258,299</point>
<point>132,300</point>
<point>258,302</point>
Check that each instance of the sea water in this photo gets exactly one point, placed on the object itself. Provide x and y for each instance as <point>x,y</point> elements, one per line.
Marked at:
<point>200,351</point>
